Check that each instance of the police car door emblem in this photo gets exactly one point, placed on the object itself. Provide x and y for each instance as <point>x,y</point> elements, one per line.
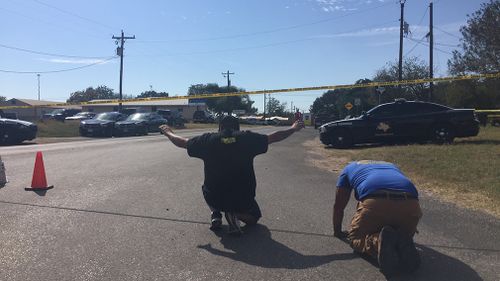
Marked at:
<point>383,127</point>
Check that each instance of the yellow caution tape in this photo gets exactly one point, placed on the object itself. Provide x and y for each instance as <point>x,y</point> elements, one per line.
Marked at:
<point>259,92</point>
<point>488,110</point>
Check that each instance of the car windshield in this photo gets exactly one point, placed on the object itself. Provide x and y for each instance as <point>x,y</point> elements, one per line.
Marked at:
<point>82,114</point>
<point>56,111</point>
<point>138,117</point>
<point>107,116</point>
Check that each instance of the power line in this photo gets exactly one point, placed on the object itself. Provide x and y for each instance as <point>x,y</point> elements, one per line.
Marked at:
<point>74,15</point>
<point>425,44</point>
<point>447,45</point>
<point>418,42</point>
<point>65,28</point>
<point>264,31</point>
<point>444,31</point>
<point>423,16</point>
<point>49,54</point>
<point>264,45</point>
<point>57,71</point>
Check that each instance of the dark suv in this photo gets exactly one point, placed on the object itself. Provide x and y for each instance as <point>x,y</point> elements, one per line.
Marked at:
<point>402,121</point>
<point>61,113</point>
<point>174,118</point>
<point>202,116</point>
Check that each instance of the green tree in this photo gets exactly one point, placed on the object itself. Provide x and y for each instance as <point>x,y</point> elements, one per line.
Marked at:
<point>479,53</point>
<point>100,93</point>
<point>152,94</point>
<point>275,108</point>
<point>223,104</point>
<point>2,98</point>
<point>480,43</point>
<point>332,103</point>
<point>413,68</point>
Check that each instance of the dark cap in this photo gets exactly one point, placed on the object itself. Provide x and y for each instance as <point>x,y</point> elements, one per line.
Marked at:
<point>229,123</point>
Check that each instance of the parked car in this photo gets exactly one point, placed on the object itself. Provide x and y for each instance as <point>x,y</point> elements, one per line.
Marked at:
<point>174,118</point>
<point>139,124</point>
<point>81,116</point>
<point>202,116</point>
<point>402,121</point>
<point>102,125</point>
<point>60,114</point>
<point>14,131</point>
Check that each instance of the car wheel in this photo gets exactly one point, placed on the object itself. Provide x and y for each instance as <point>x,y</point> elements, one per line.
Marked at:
<point>442,133</point>
<point>341,139</point>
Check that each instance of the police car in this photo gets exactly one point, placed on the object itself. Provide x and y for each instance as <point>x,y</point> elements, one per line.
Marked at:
<point>13,131</point>
<point>402,120</point>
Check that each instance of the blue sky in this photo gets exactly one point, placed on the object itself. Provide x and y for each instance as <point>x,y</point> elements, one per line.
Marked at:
<point>267,44</point>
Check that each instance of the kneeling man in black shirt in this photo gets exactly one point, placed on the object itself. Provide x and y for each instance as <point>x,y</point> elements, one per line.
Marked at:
<point>228,155</point>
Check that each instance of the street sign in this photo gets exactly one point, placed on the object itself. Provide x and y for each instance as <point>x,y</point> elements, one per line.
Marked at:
<point>348,106</point>
<point>357,102</point>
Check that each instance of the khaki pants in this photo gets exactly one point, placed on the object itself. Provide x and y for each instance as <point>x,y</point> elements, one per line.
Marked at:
<point>373,214</point>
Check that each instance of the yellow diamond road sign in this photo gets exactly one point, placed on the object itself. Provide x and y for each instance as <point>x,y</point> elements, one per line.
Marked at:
<point>348,106</point>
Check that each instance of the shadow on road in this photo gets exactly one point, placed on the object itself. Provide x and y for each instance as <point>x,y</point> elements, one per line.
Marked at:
<point>256,247</point>
<point>435,266</point>
<point>438,266</point>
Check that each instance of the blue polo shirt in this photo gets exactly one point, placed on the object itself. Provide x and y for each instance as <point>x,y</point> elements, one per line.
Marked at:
<point>367,176</point>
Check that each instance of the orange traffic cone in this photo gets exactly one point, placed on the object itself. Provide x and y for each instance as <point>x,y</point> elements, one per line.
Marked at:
<point>39,181</point>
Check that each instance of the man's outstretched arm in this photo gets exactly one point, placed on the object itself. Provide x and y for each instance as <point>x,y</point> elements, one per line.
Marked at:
<point>175,139</point>
<point>283,134</point>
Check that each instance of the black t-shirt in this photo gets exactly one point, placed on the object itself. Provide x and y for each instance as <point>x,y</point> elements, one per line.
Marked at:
<point>229,175</point>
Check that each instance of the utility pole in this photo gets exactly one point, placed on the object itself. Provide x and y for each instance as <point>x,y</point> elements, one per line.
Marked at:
<point>264,106</point>
<point>227,74</point>
<point>431,50</point>
<point>400,70</point>
<point>119,51</point>
<point>38,75</point>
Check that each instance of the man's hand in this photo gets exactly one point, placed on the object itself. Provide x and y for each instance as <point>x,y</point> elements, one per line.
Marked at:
<point>297,125</point>
<point>165,129</point>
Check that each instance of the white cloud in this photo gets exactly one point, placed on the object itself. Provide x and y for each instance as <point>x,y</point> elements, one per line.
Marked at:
<point>339,5</point>
<point>76,61</point>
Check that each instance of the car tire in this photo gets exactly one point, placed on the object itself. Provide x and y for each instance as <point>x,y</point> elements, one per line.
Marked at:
<point>442,133</point>
<point>341,139</point>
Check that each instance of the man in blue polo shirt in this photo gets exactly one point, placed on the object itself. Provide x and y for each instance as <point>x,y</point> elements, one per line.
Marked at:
<point>386,216</point>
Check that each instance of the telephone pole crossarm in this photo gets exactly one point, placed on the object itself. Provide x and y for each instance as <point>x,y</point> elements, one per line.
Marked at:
<point>227,74</point>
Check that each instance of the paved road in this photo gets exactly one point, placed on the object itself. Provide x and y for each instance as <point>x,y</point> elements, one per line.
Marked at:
<point>132,209</point>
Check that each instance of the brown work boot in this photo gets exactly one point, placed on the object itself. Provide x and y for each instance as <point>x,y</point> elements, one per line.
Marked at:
<point>388,258</point>
<point>408,254</point>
